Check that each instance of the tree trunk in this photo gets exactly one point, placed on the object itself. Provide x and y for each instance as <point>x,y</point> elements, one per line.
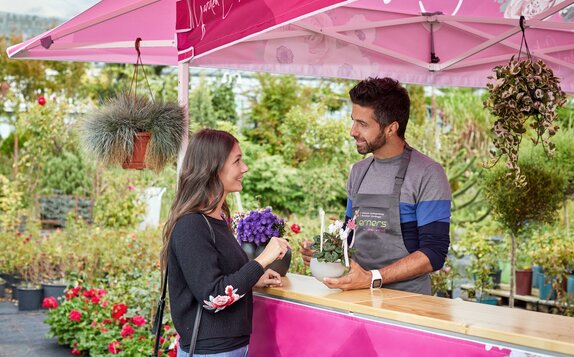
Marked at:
<point>512,269</point>
<point>15,157</point>
<point>566,222</point>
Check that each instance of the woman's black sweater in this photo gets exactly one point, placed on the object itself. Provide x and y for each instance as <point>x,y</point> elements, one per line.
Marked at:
<point>200,268</point>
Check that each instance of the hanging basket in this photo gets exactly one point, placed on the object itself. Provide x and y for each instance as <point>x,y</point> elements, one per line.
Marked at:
<point>137,160</point>
<point>118,132</point>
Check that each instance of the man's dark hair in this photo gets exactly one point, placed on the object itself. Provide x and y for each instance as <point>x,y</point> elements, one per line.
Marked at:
<point>388,99</point>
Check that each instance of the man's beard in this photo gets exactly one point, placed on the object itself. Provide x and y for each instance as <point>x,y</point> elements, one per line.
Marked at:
<point>379,142</point>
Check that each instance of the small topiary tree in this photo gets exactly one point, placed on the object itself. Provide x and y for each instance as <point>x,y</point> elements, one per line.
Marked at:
<point>515,208</point>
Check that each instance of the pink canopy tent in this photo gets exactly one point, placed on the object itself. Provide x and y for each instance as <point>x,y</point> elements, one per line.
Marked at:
<point>438,42</point>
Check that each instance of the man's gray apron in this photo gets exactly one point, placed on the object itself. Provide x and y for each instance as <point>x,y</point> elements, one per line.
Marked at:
<point>378,237</point>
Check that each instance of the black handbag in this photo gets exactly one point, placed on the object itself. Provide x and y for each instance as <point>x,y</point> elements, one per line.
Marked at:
<point>158,326</point>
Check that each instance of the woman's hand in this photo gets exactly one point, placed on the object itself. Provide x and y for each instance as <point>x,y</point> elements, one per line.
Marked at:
<point>268,279</point>
<point>275,250</point>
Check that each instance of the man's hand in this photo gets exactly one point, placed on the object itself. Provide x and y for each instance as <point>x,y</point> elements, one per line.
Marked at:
<point>306,251</point>
<point>268,279</point>
<point>357,278</point>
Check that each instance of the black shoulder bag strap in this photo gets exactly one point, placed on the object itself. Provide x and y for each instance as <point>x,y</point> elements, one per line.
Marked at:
<point>158,327</point>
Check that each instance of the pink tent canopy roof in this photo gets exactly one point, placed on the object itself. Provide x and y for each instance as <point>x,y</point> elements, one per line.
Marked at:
<point>347,39</point>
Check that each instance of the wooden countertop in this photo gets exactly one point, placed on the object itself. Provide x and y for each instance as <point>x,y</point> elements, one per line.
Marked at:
<point>526,328</point>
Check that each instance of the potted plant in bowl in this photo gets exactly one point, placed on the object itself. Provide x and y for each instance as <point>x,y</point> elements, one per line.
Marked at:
<point>254,229</point>
<point>117,132</point>
<point>332,253</point>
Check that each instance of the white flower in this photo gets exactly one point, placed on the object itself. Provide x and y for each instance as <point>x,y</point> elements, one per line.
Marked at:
<point>343,233</point>
<point>334,227</point>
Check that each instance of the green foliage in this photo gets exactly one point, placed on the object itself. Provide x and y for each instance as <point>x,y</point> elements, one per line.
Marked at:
<point>28,79</point>
<point>201,108</point>
<point>485,253</point>
<point>66,174</point>
<point>551,248</point>
<point>278,94</point>
<point>442,281</point>
<point>418,111</point>
<point>118,204</point>
<point>333,250</point>
<point>271,182</point>
<point>514,207</point>
<point>11,204</point>
<point>223,99</point>
<point>563,160</point>
<point>313,140</point>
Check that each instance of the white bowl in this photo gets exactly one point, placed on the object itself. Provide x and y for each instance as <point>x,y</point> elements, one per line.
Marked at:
<point>322,270</point>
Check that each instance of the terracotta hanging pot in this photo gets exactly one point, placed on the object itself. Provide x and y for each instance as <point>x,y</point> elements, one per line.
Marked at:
<point>137,161</point>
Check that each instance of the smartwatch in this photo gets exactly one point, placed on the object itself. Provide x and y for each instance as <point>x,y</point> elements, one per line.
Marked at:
<point>376,279</point>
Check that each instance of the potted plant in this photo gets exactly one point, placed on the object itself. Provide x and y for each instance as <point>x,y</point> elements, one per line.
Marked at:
<point>53,264</point>
<point>485,252</point>
<point>523,270</point>
<point>331,254</point>
<point>552,250</point>
<point>2,287</point>
<point>525,93</point>
<point>516,208</point>
<point>117,132</point>
<point>254,229</point>
<point>29,291</point>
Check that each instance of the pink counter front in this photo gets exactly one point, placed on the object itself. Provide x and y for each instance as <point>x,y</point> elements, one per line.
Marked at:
<point>305,318</point>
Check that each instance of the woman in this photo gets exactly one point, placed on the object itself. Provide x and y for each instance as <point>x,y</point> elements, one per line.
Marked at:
<point>214,275</point>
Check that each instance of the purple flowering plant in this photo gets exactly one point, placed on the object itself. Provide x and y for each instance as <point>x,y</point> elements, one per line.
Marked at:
<point>257,226</point>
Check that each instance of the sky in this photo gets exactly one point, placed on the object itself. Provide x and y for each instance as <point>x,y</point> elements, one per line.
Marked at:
<point>63,9</point>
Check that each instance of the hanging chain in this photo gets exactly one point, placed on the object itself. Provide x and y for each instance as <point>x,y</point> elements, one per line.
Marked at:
<point>523,41</point>
<point>134,82</point>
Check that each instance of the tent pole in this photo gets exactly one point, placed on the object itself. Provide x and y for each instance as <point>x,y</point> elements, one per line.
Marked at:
<point>183,98</point>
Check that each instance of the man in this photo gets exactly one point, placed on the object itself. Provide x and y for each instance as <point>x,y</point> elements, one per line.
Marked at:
<point>400,199</point>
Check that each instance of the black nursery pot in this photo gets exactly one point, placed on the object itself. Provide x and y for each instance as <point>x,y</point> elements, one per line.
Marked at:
<point>29,298</point>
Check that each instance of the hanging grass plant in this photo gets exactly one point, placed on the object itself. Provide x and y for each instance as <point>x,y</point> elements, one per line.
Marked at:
<point>109,132</point>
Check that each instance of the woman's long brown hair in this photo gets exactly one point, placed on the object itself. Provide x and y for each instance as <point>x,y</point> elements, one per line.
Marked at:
<point>199,189</point>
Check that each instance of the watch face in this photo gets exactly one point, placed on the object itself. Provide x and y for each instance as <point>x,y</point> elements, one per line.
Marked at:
<point>377,283</point>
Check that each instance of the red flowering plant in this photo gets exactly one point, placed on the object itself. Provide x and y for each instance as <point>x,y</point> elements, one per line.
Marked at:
<point>90,322</point>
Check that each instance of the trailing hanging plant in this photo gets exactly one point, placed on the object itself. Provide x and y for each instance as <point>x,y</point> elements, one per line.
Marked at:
<point>524,93</point>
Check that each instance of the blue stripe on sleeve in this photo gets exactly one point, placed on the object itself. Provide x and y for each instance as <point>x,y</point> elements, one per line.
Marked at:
<point>432,211</point>
<point>426,212</point>
<point>408,212</point>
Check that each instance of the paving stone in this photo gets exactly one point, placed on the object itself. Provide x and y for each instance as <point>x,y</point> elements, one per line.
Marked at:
<point>23,333</point>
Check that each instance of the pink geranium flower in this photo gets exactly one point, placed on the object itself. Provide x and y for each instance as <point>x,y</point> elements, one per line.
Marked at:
<point>50,303</point>
<point>114,347</point>
<point>138,320</point>
<point>119,310</point>
<point>75,315</point>
<point>127,330</point>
